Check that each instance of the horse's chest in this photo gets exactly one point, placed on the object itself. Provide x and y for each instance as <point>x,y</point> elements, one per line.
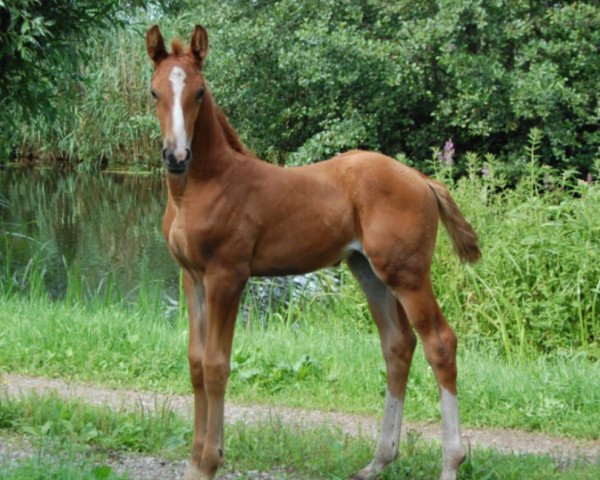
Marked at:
<point>185,244</point>
<point>192,244</point>
<point>179,243</point>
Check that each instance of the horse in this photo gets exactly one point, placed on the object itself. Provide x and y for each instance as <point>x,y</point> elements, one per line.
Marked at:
<point>230,215</point>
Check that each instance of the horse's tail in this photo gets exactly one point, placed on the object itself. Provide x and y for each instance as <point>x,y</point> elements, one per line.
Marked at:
<point>464,238</point>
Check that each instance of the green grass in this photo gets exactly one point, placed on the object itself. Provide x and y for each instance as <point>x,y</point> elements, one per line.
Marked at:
<point>322,366</point>
<point>50,461</point>
<point>311,453</point>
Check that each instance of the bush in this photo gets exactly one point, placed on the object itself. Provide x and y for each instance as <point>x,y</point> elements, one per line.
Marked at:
<point>43,47</point>
<point>304,80</point>
<point>313,78</point>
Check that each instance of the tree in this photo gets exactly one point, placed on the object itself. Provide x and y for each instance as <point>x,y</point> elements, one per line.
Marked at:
<point>41,43</point>
<point>318,77</point>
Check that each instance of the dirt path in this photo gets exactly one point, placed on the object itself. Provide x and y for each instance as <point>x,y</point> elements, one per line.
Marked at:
<point>509,441</point>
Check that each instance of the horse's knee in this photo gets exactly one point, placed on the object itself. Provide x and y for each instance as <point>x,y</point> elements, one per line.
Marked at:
<point>410,342</point>
<point>440,347</point>
<point>216,373</point>
<point>398,351</point>
<point>196,370</point>
<point>439,340</point>
<point>440,351</point>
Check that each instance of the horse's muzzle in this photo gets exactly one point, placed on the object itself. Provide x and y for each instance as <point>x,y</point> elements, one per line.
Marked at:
<point>176,163</point>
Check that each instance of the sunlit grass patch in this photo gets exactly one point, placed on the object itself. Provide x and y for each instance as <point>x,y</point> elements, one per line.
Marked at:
<point>42,457</point>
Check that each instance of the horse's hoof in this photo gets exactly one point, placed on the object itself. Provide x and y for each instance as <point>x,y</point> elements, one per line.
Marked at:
<point>194,473</point>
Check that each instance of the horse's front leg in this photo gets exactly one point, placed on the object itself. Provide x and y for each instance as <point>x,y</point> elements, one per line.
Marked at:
<point>223,288</point>
<point>194,292</point>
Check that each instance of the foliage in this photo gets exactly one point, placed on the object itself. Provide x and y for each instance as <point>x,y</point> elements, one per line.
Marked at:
<point>315,78</point>
<point>535,291</point>
<point>305,80</point>
<point>538,239</point>
<point>42,46</point>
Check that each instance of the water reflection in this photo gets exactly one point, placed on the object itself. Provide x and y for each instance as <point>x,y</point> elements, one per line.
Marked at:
<point>100,233</point>
<point>99,225</point>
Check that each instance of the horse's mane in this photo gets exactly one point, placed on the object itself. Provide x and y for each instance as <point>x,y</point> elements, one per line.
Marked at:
<point>177,47</point>
<point>230,134</point>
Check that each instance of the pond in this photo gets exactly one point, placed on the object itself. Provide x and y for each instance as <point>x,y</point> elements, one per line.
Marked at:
<point>102,225</point>
<point>99,233</point>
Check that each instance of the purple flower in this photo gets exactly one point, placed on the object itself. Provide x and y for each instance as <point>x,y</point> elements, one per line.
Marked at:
<point>447,155</point>
<point>485,170</point>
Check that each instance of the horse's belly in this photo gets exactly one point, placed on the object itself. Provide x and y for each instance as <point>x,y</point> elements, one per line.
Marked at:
<point>296,262</point>
<point>293,251</point>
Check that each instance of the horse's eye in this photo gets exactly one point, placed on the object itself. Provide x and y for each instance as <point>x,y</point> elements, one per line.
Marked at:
<point>154,94</point>
<point>199,94</point>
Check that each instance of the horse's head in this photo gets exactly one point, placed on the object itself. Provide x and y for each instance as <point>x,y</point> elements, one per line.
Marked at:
<point>178,88</point>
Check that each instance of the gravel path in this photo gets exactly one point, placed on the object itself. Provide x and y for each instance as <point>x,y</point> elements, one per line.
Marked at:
<point>503,440</point>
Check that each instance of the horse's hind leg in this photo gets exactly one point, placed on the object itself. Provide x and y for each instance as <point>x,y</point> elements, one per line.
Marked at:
<point>398,344</point>
<point>439,342</point>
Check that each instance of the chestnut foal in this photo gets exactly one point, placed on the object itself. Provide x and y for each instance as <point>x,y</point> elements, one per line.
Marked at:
<point>230,215</point>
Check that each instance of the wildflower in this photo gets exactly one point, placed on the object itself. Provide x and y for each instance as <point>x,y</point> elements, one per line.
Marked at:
<point>485,170</point>
<point>447,155</point>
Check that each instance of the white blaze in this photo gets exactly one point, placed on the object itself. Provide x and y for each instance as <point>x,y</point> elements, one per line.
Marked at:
<point>177,79</point>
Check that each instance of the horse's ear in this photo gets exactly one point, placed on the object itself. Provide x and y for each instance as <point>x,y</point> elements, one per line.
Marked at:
<point>155,45</point>
<point>199,44</point>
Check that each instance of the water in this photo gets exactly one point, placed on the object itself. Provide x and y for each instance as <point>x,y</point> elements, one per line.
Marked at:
<point>102,226</point>
<point>102,231</point>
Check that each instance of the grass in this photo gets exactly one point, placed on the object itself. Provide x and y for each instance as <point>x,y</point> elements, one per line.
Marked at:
<point>52,460</point>
<point>311,453</point>
<point>321,366</point>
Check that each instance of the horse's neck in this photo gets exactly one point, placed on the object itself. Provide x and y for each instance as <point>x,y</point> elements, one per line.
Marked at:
<point>213,148</point>
<point>210,145</point>
<point>230,134</point>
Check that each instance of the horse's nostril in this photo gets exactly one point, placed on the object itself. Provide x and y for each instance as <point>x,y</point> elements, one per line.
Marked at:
<point>176,161</point>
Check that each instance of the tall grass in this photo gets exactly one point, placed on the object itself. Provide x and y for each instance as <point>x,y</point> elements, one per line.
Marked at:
<point>537,287</point>
<point>109,119</point>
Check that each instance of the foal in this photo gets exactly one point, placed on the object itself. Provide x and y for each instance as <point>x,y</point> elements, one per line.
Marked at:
<point>230,215</point>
